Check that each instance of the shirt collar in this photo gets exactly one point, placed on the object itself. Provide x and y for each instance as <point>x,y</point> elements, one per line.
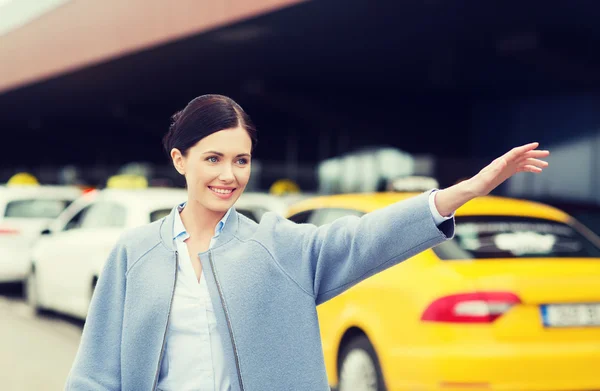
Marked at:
<point>179,230</point>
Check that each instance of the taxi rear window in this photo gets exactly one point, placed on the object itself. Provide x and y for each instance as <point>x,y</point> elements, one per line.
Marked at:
<point>35,209</point>
<point>485,237</point>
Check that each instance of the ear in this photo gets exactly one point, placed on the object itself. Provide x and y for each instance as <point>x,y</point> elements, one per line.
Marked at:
<point>178,160</point>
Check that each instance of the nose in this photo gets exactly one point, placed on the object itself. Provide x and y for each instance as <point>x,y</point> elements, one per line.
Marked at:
<point>226,174</point>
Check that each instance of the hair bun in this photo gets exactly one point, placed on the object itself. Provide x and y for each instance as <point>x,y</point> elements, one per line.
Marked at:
<point>174,118</point>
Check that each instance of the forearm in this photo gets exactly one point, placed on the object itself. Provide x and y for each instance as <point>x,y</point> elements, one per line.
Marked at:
<point>448,200</point>
<point>351,249</point>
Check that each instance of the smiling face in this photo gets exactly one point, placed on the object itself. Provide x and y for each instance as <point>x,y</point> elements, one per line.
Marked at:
<point>216,168</point>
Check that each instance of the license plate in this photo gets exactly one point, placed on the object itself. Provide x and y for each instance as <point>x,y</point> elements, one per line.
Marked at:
<point>570,315</point>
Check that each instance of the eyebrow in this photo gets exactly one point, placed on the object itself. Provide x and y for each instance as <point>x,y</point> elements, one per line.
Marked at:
<point>220,154</point>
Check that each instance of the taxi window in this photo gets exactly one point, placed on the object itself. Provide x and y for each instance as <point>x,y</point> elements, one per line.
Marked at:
<point>159,214</point>
<point>485,237</point>
<point>36,209</point>
<point>75,221</point>
<point>302,217</point>
<point>104,215</point>
<point>590,219</point>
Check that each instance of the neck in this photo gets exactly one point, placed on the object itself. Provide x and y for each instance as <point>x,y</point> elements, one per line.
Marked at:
<point>198,220</point>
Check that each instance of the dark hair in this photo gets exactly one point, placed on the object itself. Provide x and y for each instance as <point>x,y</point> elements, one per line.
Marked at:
<point>202,117</point>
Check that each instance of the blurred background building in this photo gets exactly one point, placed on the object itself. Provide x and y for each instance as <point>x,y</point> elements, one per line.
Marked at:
<point>87,86</point>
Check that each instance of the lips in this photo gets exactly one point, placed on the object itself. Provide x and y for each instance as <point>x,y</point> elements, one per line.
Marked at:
<point>223,193</point>
<point>221,190</point>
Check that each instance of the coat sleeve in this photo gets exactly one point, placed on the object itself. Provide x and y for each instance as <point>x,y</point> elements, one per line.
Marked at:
<point>325,261</point>
<point>97,365</point>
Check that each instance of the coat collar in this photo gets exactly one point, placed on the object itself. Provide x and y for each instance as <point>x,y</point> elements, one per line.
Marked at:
<point>228,232</point>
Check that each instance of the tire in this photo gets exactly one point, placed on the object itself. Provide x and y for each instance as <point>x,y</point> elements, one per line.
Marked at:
<point>358,368</point>
<point>31,291</point>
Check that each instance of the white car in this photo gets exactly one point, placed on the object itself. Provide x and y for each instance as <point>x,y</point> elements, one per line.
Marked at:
<point>255,204</point>
<point>66,262</point>
<point>24,212</point>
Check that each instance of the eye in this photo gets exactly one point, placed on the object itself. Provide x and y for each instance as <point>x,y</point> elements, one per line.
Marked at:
<point>212,159</point>
<point>242,161</point>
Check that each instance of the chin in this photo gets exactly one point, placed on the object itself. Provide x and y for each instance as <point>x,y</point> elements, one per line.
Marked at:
<point>220,207</point>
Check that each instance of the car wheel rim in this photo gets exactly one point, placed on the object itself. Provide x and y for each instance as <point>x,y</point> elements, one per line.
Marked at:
<point>358,372</point>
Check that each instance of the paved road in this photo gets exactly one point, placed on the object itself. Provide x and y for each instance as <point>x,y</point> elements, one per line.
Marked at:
<point>36,351</point>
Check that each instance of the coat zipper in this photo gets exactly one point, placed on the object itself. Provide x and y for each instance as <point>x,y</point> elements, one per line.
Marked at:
<point>162,349</point>
<point>235,353</point>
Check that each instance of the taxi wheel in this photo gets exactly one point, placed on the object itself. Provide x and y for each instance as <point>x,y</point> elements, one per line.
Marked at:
<point>32,294</point>
<point>359,368</point>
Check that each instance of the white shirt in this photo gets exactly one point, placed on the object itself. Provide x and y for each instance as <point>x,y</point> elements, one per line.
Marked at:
<point>193,357</point>
<point>437,217</point>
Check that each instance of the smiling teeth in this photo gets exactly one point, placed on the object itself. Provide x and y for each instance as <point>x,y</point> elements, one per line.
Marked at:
<point>221,191</point>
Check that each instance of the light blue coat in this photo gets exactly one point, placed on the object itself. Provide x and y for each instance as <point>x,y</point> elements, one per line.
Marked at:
<point>265,281</point>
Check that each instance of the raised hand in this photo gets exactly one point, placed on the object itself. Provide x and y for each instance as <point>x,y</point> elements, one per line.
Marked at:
<point>525,158</point>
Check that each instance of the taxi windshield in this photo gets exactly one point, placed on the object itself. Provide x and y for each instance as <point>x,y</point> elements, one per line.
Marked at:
<point>37,209</point>
<point>485,237</point>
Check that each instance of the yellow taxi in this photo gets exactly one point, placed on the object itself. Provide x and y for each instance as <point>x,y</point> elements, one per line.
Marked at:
<point>511,303</point>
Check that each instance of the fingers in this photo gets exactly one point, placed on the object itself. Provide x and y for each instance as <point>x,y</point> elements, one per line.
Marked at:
<point>534,162</point>
<point>536,154</point>
<point>519,154</point>
<point>529,168</point>
<point>518,151</point>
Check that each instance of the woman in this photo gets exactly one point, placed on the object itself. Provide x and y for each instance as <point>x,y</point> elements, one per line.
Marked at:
<point>206,299</point>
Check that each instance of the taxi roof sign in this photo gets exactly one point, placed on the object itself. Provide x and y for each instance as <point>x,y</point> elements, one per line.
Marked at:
<point>127,181</point>
<point>413,183</point>
<point>22,179</point>
<point>284,186</point>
